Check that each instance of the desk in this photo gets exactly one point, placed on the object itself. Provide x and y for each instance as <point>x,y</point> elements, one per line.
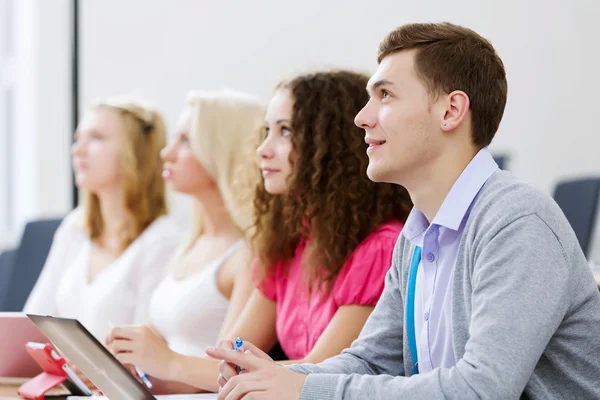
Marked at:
<point>9,386</point>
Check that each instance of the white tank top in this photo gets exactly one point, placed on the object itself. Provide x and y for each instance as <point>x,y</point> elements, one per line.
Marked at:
<point>188,312</point>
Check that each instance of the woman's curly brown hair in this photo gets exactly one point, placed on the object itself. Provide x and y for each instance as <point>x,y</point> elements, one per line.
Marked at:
<point>330,200</point>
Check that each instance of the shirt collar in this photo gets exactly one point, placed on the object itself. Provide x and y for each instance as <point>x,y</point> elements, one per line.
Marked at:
<point>458,200</point>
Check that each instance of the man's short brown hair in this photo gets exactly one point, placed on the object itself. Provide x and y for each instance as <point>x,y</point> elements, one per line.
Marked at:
<point>450,57</point>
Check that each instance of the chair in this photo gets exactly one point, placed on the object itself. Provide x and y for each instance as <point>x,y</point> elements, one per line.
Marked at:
<point>578,199</point>
<point>29,260</point>
<point>501,160</point>
<point>7,263</point>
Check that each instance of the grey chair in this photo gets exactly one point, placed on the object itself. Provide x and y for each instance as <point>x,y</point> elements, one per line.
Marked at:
<point>501,160</point>
<point>28,262</point>
<point>7,263</point>
<point>578,199</point>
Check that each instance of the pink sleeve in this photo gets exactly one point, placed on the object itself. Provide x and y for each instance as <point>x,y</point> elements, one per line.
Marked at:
<point>268,285</point>
<point>362,279</point>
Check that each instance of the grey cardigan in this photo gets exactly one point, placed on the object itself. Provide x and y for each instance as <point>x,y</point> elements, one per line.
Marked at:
<point>525,314</point>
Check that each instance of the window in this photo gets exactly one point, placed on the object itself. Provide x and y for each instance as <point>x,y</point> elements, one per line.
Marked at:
<point>6,120</point>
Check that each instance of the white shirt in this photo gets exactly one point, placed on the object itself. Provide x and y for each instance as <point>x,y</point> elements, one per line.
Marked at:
<point>119,295</point>
<point>189,312</point>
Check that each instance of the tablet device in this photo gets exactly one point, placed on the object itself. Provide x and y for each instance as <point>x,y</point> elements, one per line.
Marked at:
<point>77,344</point>
<point>15,331</point>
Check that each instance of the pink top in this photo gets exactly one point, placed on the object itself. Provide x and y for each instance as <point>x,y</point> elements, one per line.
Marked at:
<point>301,320</point>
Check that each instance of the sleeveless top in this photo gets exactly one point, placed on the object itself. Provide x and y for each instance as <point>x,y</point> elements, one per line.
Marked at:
<point>188,312</point>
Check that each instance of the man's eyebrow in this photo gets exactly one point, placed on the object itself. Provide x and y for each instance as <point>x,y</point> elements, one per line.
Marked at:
<point>377,84</point>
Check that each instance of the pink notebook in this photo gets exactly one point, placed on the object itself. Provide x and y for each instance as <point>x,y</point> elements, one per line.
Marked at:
<point>15,331</point>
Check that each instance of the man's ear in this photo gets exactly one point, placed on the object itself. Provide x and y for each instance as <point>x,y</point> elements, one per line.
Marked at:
<point>457,105</point>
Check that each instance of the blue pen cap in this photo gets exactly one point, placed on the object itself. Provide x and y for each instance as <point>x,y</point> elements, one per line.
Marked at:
<point>238,343</point>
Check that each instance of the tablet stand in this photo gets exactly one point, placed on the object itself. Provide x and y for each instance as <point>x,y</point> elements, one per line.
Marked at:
<point>36,388</point>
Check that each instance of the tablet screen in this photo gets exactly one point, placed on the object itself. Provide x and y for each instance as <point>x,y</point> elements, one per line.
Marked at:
<point>78,345</point>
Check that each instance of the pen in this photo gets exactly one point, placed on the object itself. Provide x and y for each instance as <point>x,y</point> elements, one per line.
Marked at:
<point>239,346</point>
<point>143,377</point>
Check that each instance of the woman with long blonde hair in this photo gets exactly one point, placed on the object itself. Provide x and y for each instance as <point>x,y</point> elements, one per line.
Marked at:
<point>108,254</point>
<point>209,281</point>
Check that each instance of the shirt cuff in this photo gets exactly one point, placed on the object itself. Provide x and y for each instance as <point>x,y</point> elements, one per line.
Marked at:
<point>320,387</point>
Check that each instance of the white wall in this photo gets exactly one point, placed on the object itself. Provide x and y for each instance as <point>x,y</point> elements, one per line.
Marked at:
<point>163,48</point>
<point>38,72</point>
<point>168,47</point>
<point>6,84</point>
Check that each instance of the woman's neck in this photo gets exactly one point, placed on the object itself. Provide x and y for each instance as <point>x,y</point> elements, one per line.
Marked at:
<point>216,220</point>
<point>113,212</point>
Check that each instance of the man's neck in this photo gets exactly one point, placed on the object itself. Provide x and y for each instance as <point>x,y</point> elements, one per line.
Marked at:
<point>433,182</point>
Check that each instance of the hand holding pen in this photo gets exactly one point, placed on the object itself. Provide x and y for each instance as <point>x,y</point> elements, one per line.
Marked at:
<point>228,370</point>
<point>136,370</point>
<point>265,378</point>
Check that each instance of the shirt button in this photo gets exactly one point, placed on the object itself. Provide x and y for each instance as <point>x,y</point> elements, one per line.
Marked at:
<point>430,257</point>
<point>426,316</point>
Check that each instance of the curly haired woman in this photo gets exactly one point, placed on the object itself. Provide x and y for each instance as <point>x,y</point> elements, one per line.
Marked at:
<point>324,232</point>
<point>323,235</point>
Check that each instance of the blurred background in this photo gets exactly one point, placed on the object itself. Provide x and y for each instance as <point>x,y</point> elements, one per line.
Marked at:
<point>58,55</point>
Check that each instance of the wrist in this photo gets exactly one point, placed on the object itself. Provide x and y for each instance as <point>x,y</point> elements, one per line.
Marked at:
<point>174,366</point>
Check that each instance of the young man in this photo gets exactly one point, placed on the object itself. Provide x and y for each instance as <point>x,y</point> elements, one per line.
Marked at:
<point>502,302</point>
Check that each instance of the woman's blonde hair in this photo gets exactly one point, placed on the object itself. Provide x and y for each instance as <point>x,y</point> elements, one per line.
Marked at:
<point>224,133</point>
<point>141,168</point>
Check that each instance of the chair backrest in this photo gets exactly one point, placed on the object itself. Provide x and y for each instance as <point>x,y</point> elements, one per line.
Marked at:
<point>501,160</point>
<point>578,199</point>
<point>29,260</point>
<point>7,264</point>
